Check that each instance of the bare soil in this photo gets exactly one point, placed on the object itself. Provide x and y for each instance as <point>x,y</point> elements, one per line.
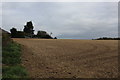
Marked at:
<point>67,58</point>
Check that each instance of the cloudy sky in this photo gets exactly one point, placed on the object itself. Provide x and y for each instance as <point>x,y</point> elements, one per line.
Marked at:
<point>68,20</point>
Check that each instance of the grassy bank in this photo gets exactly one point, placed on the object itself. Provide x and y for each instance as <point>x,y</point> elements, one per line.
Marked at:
<point>11,59</point>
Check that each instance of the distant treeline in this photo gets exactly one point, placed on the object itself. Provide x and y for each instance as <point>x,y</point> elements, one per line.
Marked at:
<point>106,38</point>
<point>28,32</point>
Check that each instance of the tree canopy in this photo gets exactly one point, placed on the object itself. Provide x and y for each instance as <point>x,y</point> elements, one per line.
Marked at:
<point>13,32</point>
<point>28,29</point>
<point>29,32</point>
<point>43,34</point>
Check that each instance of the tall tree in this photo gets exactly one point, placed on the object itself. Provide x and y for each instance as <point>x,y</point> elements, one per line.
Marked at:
<point>13,32</point>
<point>28,29</point>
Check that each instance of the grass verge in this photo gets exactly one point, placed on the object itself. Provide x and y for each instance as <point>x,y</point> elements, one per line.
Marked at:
<point>11,59</point>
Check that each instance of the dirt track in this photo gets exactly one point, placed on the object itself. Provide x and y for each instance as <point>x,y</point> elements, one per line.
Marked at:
<point>45,58</point>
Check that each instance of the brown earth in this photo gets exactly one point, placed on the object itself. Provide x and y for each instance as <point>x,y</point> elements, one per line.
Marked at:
<point>63,58</point>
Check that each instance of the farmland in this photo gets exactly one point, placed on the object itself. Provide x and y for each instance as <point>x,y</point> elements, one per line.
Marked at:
<point>68,58</point>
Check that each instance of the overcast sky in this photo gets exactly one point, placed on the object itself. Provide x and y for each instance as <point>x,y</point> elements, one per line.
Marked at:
<point>69,20</point>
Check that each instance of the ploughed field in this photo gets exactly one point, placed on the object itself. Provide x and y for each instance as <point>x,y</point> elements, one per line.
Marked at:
<point>67,58</point>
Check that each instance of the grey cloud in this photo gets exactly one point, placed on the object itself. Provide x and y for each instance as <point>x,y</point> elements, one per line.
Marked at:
<point>65,20</point>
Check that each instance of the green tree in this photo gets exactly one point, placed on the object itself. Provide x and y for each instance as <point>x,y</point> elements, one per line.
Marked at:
<point>13,32</point>
<point>20,34</point>
<point>28,29</point>
<point>43,34</point>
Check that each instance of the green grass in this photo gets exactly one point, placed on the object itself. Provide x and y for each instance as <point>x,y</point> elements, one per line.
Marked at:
<point>14,72</point>
<point>11,62</point>
<point>11,54</point>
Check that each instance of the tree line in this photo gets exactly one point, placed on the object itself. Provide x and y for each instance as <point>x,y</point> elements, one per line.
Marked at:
<point>107,38</point>
<point>28,32</point>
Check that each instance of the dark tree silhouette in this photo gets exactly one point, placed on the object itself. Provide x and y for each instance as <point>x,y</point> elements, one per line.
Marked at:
<point>28,32</point>
<point>13,32</point>
<point>43,34</point>
<point>107,38</point>
<point>28,29</point>
<point>55,37</point>
<point>17,34</point>
<point>20,34</point>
